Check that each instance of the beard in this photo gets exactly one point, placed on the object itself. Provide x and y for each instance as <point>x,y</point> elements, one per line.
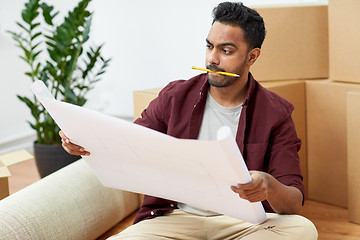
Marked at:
<point>221,81</point>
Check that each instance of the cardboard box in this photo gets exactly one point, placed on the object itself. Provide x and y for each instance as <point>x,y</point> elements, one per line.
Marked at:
<point>326,139</point>
<point>293,91</point>
<point>353,158</point>
<point>142,98</point>
<point>6,160</point>
<point>344,38</point>
<point>296,43</point>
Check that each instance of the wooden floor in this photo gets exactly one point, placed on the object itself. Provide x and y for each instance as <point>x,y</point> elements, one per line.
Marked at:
<point>331,221</point>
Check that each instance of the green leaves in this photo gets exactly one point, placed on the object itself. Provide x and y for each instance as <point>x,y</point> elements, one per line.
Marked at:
<point>48,16</point>
<point>68,70</point>
<point>31,11</point>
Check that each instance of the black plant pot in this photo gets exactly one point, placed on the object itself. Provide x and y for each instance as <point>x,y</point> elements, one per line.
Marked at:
<point>50,158</point>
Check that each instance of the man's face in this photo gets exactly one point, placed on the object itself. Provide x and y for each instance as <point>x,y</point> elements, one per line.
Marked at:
<point>226,51</point>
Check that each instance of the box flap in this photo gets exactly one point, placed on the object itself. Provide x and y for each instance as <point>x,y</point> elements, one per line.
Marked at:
<point>15,157</point>
<point>4,171</point>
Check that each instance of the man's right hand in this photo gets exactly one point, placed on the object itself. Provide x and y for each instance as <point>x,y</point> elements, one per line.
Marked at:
<point>71,148</point>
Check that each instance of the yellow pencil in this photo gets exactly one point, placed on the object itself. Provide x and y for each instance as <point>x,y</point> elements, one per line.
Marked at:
<point>223,73</point>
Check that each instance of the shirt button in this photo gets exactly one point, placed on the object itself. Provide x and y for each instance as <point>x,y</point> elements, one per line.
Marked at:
<point>152,213</point>
<point>171,205</point>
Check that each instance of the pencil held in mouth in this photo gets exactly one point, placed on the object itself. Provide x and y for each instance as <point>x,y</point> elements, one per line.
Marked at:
<point>223,73</point>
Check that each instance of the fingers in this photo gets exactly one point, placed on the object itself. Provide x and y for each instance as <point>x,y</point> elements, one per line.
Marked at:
<point>254,191</point>
<point>251,196</point>
<point>71,148</point>
<point>64,138</point>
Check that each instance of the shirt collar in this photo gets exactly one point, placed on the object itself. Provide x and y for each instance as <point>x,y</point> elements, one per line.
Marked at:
<point>251,87</point>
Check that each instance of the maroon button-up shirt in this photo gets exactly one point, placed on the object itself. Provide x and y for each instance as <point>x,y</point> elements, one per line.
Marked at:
<point>266,134</point>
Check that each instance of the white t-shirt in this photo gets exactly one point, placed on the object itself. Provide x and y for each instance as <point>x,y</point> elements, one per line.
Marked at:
<point>215,116</point>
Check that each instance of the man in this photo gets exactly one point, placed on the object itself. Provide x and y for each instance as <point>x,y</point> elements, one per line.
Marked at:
<point>263,129</point>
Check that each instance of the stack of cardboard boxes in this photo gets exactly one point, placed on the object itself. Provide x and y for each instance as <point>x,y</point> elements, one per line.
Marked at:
<point>325,46</point>
<point>295,50</point>
<point>322,42</point>
<point>344,59</point>
<point>311,57</point>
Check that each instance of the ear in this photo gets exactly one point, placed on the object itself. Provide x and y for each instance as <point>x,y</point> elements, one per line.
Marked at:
<point>253,56</point>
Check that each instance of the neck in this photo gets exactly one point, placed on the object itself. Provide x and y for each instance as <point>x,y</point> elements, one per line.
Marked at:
<point>232,95</point>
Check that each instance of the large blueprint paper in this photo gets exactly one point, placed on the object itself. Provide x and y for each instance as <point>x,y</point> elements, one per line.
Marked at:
<point>137,159</point>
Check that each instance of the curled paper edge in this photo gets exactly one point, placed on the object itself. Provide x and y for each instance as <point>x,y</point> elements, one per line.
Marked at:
<point>40,90</point>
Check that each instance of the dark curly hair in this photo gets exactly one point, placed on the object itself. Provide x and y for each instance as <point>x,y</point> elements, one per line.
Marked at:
<point>236,14</point>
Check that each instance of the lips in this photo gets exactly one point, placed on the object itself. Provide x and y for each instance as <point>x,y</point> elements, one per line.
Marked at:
<point>215,69</point>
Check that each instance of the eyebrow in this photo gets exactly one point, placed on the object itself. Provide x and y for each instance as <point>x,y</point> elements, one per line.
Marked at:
<point>223,44</point>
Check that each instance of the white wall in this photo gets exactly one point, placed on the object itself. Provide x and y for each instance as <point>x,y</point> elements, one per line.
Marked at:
<point>151,43</point>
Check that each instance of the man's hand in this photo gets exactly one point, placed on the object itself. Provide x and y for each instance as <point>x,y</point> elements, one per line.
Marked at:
<point>283,199</point>
<point>256,190</point>
<point>71,148</point>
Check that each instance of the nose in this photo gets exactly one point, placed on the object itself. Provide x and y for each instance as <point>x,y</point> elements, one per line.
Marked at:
<point>212,57</point>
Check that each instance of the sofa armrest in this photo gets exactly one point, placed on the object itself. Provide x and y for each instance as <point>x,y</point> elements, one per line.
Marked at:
<point>68,204</point>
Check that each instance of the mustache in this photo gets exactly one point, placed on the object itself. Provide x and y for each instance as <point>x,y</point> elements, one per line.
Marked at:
<point>215,68</point>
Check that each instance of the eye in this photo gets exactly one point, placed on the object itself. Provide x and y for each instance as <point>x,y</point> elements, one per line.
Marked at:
<point>226,51</point>
<point>208,46</point>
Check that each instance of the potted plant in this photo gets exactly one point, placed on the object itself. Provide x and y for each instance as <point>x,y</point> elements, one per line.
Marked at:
<point>55,54</point>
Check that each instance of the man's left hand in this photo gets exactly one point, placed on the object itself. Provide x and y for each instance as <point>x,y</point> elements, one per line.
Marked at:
<point>256,190</point>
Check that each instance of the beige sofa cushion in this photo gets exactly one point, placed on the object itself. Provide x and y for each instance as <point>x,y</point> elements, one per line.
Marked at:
<point>68,204</point>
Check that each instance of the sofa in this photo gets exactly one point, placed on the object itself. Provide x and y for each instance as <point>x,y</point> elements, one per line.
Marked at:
<point>68,204</point>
